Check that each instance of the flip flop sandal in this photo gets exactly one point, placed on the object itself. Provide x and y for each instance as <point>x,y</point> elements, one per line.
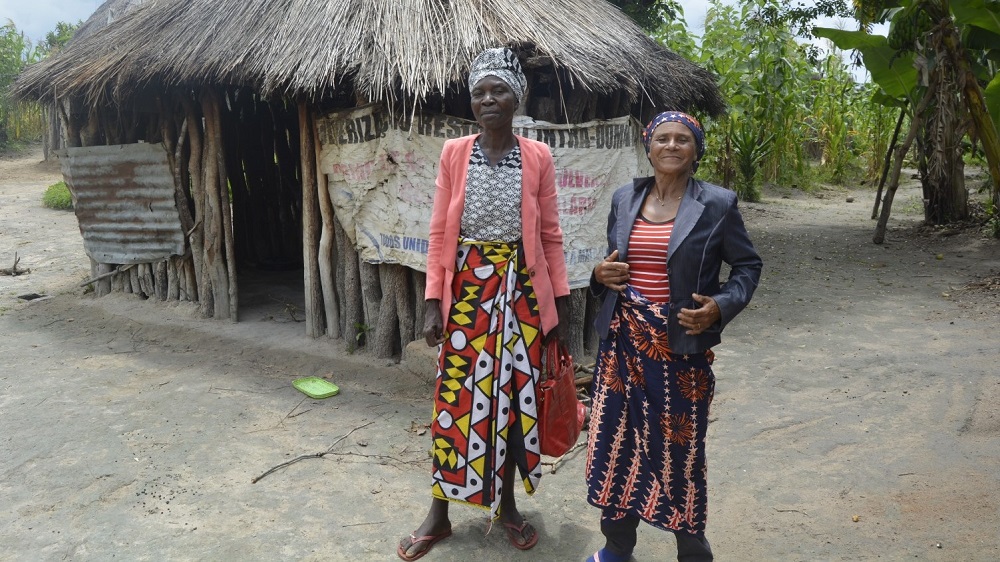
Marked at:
<point>519,529</point>
<point>429,539</point>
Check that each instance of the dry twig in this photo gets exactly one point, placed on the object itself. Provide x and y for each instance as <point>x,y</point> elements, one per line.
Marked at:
<point>555,464</point>
<point>14,271</point>
<point>312,456</point>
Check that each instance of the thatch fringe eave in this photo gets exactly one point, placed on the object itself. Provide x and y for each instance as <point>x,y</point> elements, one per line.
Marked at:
<point>418,47</point>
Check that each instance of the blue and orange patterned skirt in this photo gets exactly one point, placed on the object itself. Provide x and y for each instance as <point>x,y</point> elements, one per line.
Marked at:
<point>488,371</point>
<point>646,447</point>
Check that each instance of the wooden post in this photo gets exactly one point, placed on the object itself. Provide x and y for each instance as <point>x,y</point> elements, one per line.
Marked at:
<point>573,332</point>
<point>214,226</point>
<point>419,281</point>
<point>162,281</point>
<point>327,245</point>
<point>102,287</point>
<point>590,337</point>
<point>311,224</point>
<point>196,236</point>
<point>173,281</point>
<point>384,336</point>
<point>394,325</point>
<point>135,280</point>
<point>371,294</point>
<point>227,218</point>
<point>354,310</point>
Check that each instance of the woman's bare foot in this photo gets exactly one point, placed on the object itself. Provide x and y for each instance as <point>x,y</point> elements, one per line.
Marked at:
<point>435,527</point>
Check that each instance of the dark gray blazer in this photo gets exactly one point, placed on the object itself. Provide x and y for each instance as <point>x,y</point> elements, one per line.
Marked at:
<point>708,230</point>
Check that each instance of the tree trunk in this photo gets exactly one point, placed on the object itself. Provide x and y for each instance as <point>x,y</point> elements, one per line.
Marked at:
<point>946,199</point>
<point>901,150</point>
<point>888,160</point>
<point>985,128</point>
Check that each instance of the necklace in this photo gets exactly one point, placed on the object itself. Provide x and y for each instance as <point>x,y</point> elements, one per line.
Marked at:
<point>663,202</point>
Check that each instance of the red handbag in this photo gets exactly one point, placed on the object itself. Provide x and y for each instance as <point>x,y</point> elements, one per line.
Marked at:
<point>560,412</point>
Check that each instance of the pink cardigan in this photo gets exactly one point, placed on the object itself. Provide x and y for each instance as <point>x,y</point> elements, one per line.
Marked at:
<point>541,234</point>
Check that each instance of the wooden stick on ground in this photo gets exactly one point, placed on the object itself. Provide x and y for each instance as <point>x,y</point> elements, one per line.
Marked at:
<point>555,464</point>
<point>114,271</point>
<point>312,456</point>
<point>14,271</point>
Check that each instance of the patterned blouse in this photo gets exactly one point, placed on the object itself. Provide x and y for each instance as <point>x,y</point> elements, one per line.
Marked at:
<point>493,197</point>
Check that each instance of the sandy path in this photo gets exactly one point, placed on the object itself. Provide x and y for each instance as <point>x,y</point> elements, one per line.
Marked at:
<point>862,381</point>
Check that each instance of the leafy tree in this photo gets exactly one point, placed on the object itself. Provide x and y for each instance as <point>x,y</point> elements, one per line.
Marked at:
<point>766,76</point>
<point>673,33</point>
<point>789,104</point>
<point>799,18</point>
<point>649,14</point>
<point>56,39</point>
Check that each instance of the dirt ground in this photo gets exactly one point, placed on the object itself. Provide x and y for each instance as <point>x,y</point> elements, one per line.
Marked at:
<point>857,414</point>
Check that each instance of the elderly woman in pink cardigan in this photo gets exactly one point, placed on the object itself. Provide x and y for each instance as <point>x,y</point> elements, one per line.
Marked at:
<point>496,287</point>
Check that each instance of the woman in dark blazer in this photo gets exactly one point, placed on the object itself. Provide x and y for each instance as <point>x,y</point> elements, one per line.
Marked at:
<point>663,309</point>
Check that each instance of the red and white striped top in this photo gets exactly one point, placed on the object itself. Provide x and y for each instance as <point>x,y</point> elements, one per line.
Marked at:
<point>647,258</point>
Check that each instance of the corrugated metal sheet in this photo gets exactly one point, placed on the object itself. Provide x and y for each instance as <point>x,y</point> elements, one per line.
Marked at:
<point>124,201</point>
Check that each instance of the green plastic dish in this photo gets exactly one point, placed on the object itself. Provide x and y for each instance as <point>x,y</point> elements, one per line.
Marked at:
<point>315,387</point>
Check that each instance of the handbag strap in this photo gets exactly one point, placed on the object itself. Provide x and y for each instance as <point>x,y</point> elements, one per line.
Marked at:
<point>556,355</point>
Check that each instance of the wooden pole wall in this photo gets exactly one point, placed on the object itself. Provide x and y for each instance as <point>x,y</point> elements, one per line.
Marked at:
<point>377,306</point>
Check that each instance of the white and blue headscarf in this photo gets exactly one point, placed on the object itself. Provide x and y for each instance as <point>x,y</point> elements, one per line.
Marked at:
<point>502,63</point>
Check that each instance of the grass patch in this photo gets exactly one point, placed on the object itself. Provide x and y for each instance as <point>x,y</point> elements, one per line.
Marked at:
<point>57,196</point>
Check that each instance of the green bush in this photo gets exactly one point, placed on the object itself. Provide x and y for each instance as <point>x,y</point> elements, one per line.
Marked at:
<point>57,197</point>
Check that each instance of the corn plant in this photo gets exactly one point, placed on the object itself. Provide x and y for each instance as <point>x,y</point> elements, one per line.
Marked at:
<point>18,121</point>
<point>751,146</point>
<point>813,115</point>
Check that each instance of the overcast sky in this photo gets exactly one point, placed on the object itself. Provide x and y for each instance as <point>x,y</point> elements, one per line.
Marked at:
<point>37,17</point>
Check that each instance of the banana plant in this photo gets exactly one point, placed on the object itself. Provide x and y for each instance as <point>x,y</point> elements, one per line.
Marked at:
<point>927,37</point>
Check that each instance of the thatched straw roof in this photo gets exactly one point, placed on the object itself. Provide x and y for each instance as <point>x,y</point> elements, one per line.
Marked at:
<point>387,48</point>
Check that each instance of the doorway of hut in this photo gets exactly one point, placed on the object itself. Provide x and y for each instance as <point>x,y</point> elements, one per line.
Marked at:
<point>261,143</point>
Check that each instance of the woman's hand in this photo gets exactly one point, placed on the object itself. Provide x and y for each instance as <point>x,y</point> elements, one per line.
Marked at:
<point>697,320</point>
<point>611,273</point>
<point>433,326</point>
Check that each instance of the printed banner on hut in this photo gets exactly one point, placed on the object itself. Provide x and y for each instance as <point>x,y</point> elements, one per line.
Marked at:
<point>381,174</point>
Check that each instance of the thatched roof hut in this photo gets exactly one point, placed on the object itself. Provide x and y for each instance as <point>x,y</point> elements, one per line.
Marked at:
<point>240,92</point>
